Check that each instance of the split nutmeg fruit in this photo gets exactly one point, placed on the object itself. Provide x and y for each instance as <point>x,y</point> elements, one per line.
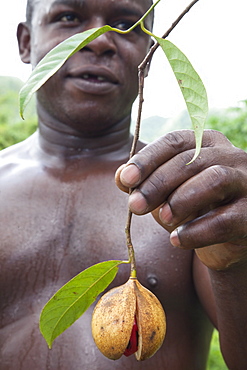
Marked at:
<point>129,319</point>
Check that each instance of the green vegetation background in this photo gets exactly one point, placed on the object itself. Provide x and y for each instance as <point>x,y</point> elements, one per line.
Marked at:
<point>232,122</point>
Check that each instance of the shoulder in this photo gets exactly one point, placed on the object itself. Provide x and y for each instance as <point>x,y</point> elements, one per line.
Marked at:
<point>18,157</point>
<point>19,149</point>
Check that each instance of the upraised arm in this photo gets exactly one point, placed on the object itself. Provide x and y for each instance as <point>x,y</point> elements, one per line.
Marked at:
<point>204,206</point>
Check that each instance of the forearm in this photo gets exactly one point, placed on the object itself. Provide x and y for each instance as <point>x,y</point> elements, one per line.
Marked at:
<point>230,291</point>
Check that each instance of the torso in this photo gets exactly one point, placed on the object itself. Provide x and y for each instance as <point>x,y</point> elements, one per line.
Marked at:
<point>54,224</point>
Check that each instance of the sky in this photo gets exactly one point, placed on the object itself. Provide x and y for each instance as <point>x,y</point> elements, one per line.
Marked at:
<point>212,36</point>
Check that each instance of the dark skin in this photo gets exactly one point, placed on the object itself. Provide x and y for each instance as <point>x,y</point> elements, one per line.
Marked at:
<point>61,211</point>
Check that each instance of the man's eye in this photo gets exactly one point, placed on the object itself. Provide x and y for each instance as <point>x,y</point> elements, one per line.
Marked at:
<point>69,17</point>
<point>123,25</point>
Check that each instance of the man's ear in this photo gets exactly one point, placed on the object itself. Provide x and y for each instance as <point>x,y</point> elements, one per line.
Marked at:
<point>149,63</point>
<point>24,41</point>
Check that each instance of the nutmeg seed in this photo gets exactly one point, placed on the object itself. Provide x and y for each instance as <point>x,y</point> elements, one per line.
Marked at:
<point>129,319</point>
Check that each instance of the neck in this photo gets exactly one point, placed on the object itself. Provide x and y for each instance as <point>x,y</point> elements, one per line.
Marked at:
<point>58,139</point>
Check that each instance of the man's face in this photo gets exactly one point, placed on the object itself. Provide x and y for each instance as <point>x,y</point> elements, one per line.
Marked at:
<point>100,82</point>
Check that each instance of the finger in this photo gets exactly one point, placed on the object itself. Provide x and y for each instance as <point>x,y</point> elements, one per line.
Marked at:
<point>222,225</point>
<point>216,185</point>
<point>130,174</point>
<point>156,189</point>
<point>169,228</point>
<point>155,154</point>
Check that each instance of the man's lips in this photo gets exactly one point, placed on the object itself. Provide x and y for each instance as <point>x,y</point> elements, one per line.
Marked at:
<point>93,77</point>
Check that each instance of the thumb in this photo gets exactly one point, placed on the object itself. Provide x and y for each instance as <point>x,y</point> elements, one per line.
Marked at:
<point>118,179</point>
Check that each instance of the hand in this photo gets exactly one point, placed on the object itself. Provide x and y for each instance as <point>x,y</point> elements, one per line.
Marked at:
<point>201,204</point>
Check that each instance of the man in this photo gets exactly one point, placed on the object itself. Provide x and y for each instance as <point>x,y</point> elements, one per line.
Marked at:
<point>61,211</point>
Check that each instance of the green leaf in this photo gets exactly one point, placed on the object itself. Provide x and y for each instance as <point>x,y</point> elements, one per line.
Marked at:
<point>192,88</point>
<point>74,298</point>
<point>54,60</point>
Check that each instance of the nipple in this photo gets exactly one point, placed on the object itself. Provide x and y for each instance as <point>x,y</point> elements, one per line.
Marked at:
<point>152,281</point>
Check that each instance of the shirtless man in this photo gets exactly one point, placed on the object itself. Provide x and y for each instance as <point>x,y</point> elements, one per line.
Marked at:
<point>61,211</point>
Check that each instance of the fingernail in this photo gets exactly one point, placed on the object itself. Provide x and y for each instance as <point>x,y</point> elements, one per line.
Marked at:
<point>165,215</point>
<point>137,203</point>
<point>130,175</point>
<point>174,239</point>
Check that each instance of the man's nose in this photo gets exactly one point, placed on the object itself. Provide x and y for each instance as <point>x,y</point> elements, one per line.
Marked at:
<point>104,44</point>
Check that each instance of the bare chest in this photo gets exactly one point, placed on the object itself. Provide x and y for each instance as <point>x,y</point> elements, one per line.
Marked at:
<point>50,231</point>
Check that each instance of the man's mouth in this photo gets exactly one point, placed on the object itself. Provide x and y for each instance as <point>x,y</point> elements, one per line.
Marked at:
<point>93,78</point>
<point>94,73</point>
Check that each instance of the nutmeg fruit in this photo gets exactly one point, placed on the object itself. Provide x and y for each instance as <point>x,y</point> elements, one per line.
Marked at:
<point>129,319</point>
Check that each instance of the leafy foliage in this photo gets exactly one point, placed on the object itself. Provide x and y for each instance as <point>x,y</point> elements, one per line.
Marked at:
<point>12,128</point>
<point>13,134</point>
<point>215,360</point>
<point>232,122</point>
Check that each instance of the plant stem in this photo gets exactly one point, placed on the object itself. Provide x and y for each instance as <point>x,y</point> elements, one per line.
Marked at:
<point>131,251</point>
<point>141,73</point>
